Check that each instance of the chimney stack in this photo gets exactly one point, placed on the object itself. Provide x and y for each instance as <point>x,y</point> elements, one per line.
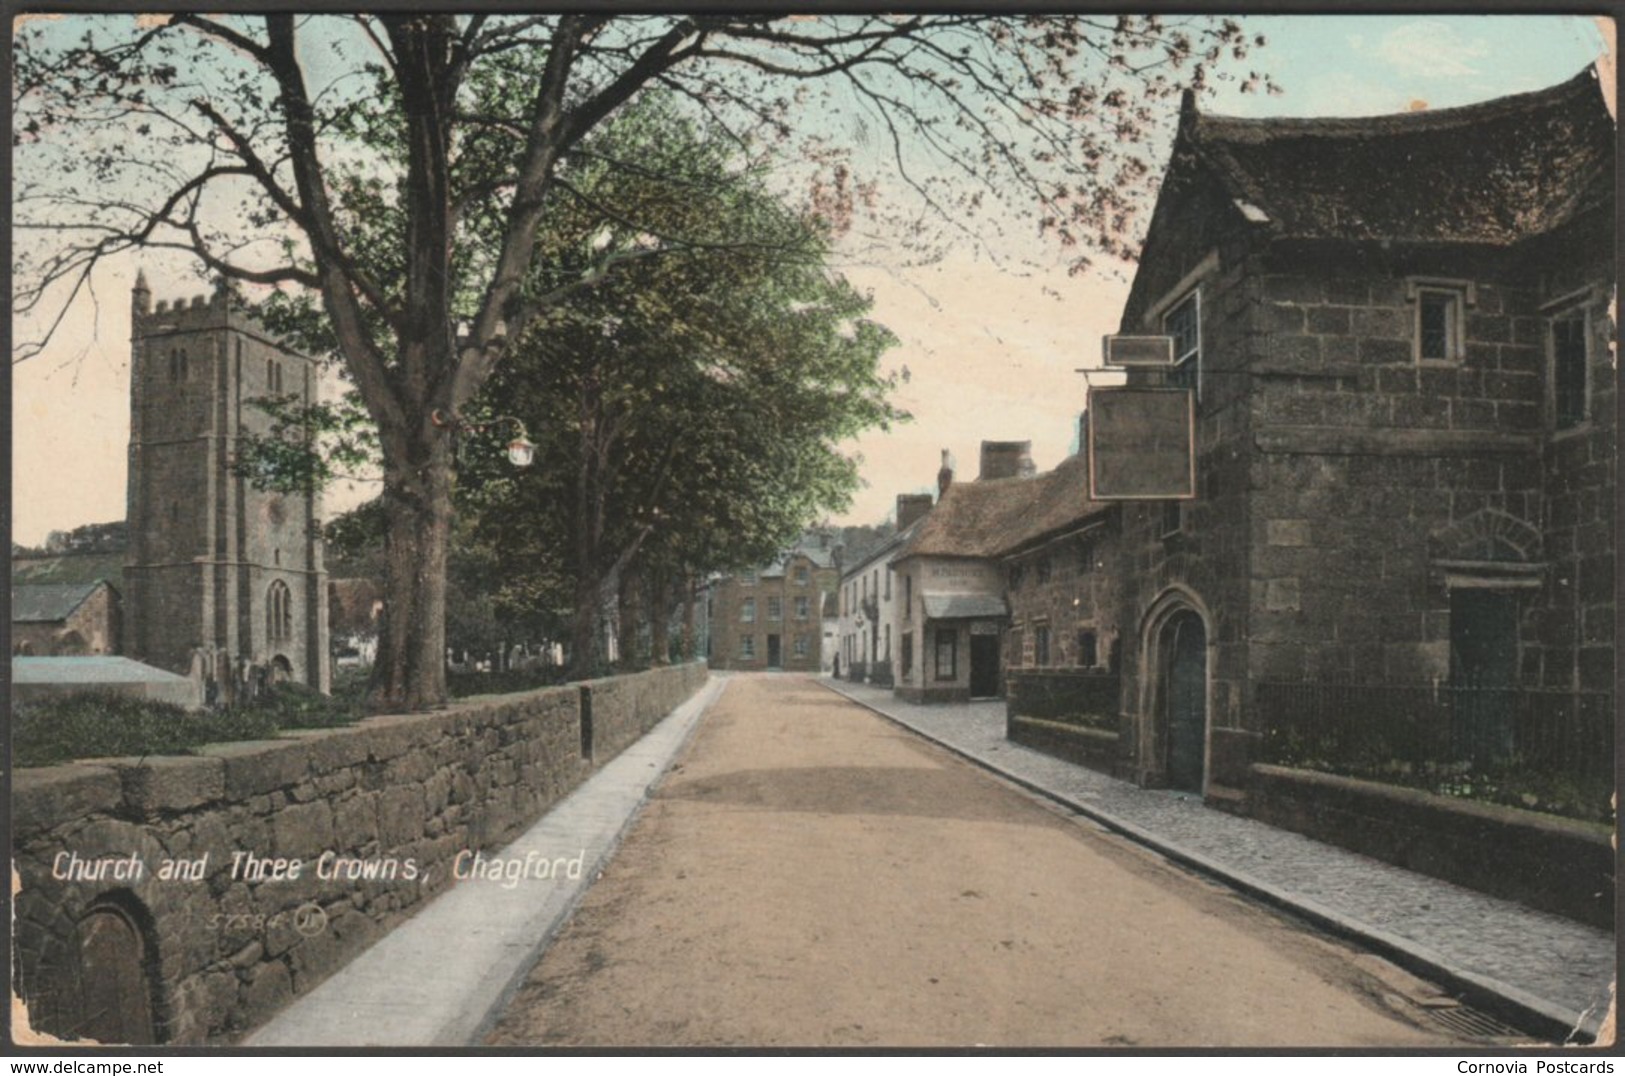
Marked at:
<point>945,476</point>
<point>910,508</point>
<point>1006,459</point>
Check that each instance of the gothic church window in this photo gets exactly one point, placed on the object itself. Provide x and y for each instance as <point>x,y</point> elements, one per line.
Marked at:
<point>278,612</point>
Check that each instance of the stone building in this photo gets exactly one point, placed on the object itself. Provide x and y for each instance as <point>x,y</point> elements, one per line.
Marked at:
<point>64,619</point>
<point>223,580</point>
<point>772,617</point>
<point>1398,333</point>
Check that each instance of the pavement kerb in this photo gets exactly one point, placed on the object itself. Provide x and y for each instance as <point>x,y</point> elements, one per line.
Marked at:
<point>700,702</point>
<point>1535,1015</point>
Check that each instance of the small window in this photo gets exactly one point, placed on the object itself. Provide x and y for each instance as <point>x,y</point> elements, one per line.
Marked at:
<point>803,609</point>
<point>800,646</point>
<point>747,610</point>
<point>747,646</point>
<point>1173,518</point>
<point>801,576</point>
<point>1184,324</point>
<point>747,579</point>
<point>1440,330</point>
<point>1569,374</point>
<point>947,654</point>
<point>775,608</point>
<point>1088,650</point>
<point>1041,645</point>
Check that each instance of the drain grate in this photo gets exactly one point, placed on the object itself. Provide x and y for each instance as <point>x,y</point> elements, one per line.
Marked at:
<point>1472,1023</point>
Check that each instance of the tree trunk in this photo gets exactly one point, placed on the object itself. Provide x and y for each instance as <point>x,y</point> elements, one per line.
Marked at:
<point>584,629</point>
<point>410,671</point>
<point>659,616</point>
<point>630,609</point>
<point>690,601</point>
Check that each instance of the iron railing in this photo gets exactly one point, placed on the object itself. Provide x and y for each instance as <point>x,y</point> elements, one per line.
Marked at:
<point>1539,749</point>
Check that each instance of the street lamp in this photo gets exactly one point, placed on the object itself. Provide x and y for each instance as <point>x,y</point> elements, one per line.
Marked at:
<point>521,451</point>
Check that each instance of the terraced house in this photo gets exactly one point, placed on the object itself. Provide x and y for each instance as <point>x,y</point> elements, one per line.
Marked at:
<point>772,617</point>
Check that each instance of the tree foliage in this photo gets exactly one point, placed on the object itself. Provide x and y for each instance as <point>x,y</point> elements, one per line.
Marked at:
<point>401,168</point>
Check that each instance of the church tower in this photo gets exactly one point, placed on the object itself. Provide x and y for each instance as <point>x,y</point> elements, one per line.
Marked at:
<point>216,567</point>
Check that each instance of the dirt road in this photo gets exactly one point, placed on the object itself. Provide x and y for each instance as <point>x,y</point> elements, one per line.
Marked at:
<point>809,875</point>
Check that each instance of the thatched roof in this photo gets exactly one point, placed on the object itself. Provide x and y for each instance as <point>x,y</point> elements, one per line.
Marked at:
<point>993,517</point>
<point>1496,172</point>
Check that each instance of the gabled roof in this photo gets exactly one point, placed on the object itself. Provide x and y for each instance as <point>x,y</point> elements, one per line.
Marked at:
<point>35,603</point>
<point>1492,173</point>
<point>883,553</point>
<point>990,518</point>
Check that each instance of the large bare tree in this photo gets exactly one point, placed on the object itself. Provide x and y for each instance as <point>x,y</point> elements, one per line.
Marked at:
<point>258,145</point>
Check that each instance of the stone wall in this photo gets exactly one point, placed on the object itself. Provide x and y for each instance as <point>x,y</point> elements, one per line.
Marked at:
<point>1554,864</point>
<point>220,886</point>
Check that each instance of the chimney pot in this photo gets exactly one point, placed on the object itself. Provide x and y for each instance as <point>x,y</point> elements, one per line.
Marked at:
<point>1006,459</point>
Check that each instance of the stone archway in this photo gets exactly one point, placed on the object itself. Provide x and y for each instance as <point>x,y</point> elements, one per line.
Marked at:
<point>116,979</point>
<point>1175,693</point>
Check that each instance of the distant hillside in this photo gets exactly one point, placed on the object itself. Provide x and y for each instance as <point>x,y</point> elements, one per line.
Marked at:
<point>68,568</point>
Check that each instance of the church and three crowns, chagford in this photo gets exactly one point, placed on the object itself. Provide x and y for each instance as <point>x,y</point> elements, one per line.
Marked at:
<point>223,581</point>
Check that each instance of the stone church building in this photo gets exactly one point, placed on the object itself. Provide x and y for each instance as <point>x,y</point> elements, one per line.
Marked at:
<point>223,581</point>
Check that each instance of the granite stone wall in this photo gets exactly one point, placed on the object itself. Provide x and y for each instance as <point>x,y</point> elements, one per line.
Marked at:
<point>185,900</point>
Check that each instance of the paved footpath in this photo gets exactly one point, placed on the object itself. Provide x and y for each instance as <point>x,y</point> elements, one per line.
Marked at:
<point>1554,967</point>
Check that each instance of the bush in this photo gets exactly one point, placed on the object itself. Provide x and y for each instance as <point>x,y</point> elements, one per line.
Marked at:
<point>101,724</point>
<point>461,684</point>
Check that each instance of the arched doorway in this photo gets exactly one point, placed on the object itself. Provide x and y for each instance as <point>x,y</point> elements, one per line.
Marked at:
<point>1182,646</point>
<point>117,989</point>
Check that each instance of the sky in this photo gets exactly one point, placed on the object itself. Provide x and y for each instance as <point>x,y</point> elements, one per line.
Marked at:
<point>991,351</point>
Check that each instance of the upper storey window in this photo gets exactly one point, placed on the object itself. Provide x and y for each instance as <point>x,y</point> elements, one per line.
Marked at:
<point>1569,380</point>
<point>1440,307</point>
<point>1184,323</point>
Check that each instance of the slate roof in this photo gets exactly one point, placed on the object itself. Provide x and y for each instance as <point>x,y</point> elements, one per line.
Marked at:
<point>35,603</point>
<point>994,517</point>
<point>809,546</point>
<point>99,669</point>
<point>882,553</point>
<point>1492,173</point>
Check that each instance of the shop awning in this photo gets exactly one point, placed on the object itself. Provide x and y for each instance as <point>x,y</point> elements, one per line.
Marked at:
<point>964,606</point>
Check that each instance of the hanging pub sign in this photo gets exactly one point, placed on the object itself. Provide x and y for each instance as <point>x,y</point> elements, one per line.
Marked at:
<point>1142,444</point>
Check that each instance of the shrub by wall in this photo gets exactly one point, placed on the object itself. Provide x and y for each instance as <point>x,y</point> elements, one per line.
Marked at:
<point>187,899</point>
